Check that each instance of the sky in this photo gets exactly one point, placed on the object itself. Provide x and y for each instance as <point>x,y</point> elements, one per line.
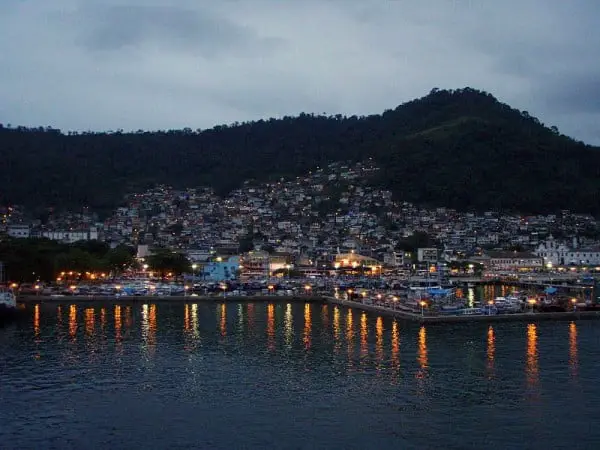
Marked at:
<point>160,64</point>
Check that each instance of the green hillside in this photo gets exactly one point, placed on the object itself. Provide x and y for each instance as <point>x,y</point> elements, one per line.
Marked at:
<point>458,148</point>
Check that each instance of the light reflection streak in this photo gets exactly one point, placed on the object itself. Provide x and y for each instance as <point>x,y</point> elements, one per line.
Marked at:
<point>72,321</point>
<point>573,357</point>
<point>287,324</point>
<point>395,346</point>
<point>364,334</point>
<point>36,320</point>
<point>145,323</point>
<point>422,358</point>
<point>223,321</point>
<point>379,341</point>
<point>271,326</point>
<point>103,318</point>
<point>90,319</point>
<point>350,336</point>
<point>336,329</point>
<point>491,349</point>
<point>152,326</point>
<point>307,326</point>
<point>186,318</point>
<point>532,369</point>
<point>195,324</point>
<point>118,323</point>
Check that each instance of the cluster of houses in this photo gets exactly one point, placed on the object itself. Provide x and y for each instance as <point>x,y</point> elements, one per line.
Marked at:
<point>312,222</point>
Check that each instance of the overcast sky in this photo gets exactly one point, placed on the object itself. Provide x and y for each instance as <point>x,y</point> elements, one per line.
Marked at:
<point>108,64</point>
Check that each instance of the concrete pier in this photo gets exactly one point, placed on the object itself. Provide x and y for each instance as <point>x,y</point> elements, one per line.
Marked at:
<point>529,317</point>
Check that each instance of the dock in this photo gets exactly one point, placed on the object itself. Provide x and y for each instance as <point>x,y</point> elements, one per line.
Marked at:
<point>424,318</point>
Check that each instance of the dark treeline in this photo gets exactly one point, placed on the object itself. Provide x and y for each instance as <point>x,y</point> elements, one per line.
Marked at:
<point>459,148</point>
<point>31,260</point>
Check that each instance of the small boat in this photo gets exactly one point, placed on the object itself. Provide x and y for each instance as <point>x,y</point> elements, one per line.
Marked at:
<point>472,312</point>
<point>8,303</point>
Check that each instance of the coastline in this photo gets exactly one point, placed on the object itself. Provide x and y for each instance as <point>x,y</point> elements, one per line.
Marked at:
<point>32,299</point>
<point>402,315</point>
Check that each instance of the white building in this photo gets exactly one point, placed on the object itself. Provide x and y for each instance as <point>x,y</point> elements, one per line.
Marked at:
<point>558,253</point>
<point>72,235</point>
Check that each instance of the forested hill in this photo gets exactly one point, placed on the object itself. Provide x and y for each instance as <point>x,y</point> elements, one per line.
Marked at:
<point>458,148</point>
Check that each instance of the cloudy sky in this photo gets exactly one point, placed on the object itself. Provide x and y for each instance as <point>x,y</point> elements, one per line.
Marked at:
<point>108,64</point>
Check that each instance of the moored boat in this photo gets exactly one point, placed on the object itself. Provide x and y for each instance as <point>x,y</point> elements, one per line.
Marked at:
<point>8,303</point>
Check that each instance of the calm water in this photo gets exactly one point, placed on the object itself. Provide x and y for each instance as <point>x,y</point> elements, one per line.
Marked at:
<point>291,376</point>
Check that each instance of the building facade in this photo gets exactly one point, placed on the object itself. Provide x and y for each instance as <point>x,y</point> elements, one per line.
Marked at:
<point>557,253</point>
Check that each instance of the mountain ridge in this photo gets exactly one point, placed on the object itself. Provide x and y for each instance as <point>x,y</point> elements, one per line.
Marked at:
<point>458,148</point>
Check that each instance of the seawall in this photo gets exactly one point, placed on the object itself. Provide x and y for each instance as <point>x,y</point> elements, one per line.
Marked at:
<point>168,299</point>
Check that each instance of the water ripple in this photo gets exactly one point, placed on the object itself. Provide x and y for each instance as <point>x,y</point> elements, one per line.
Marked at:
<point>289,376</point>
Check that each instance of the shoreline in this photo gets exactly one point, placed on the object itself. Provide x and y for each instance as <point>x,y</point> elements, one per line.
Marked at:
<point>402,315</point>
<point>32,299</point>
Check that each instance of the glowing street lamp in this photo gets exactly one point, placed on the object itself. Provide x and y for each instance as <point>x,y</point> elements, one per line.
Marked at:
<point>423,304</point>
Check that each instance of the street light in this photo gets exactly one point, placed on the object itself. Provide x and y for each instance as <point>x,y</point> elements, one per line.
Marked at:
<point>194,267</point>
<point>423,304</point>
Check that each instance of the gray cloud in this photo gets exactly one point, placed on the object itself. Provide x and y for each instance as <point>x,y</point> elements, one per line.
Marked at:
<point>117,27</point>
<point>107,64</point>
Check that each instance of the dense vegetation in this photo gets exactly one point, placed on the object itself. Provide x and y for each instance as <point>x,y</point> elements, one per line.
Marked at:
<point>30,260</point>
<point>459,148</point>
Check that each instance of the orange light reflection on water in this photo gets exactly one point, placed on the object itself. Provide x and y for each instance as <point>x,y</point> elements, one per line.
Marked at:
<point>118,323</point>
<point>491,348</point>
<point>350,336</point>
<point>36,320</point>
<point>364,334</point>
<point>336,329</point>
<point>72,321</point>
<point>395,345</point>
<point>89,321</point>
<point>186,317</point>
<point>573,357</point>
<point>531,368</point>
<point>422,358</point>
<point>223,321</point>
<point>379,340</point>
<point>152,326</point>
<point>103,318</point>
<point>307,326</point>
<point>271,326</point>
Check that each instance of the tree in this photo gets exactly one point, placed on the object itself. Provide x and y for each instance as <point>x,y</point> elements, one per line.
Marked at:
<point>118,259</point>
<point>167,261</point>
